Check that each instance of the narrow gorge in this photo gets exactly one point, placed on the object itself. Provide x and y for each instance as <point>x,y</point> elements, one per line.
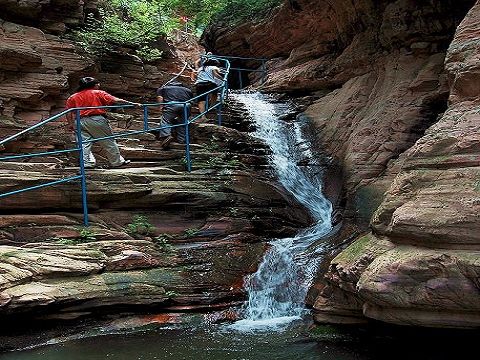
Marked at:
<point>340,192</point>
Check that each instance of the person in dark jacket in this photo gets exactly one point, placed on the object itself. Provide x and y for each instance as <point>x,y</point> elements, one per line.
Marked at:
<point>173,114</point>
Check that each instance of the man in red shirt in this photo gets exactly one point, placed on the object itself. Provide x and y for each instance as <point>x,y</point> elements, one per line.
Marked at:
<point>92,121</point>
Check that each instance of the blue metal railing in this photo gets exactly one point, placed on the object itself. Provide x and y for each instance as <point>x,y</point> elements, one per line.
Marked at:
<point>222,90</point>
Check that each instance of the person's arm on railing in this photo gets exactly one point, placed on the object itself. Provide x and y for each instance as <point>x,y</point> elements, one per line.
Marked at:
<point>123,101</point>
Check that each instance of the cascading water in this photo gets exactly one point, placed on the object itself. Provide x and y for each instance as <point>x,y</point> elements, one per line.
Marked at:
<point>277,291</point>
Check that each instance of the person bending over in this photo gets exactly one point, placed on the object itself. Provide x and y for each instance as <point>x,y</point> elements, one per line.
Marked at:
<point>173,114</point>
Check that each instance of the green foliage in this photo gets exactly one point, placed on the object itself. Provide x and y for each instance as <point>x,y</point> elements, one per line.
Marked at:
<point>477,186</point>
<point>203,12</point>
<point>140,24</point>
<point>235,11</point>
<point>137,24</point>
<point>191,232</point>
<point>234,211</point>
<point>212,145</point>
<point>87,235</point>
<point>162,242</point>
<point>9,254</point>
<point>171,294</point>
<point>64,241</point>
<point>224,160</point>
<point>140,225</point>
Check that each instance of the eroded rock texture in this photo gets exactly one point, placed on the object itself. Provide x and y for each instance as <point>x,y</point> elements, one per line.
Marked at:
<point>398,112</point>
<point>39,69</point>
<point>199,233</point>
<point>159,236</point>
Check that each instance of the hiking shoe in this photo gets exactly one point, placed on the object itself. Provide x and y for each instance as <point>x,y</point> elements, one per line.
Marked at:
<point>166,142</point>
<point>121,165</point>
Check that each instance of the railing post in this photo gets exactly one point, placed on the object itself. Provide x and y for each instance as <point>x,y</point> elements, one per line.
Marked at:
<point>206,104</point>
<point>220,105</point>
<point>226,88</point>
<point>187,137</point>
<point>145,118</point>
<point>82,167</point>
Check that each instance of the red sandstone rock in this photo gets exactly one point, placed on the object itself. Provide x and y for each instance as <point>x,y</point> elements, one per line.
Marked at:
<point>432,206</point>
<point>380,78</point>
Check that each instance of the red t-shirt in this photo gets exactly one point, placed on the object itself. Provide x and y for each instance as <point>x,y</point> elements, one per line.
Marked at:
<point>90,97</point>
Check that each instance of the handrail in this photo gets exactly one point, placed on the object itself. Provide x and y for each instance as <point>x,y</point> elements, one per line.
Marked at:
<point>221,89</point>
<point>67,111</point>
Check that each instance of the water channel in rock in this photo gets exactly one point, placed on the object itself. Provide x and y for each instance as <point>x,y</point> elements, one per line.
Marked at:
<point>277,291</point>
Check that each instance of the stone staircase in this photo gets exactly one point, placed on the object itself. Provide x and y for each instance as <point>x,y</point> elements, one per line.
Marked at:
<point>159,236</point>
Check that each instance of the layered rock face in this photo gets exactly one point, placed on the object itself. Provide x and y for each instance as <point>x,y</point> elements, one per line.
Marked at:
<point>39,70</point>
<point>52,16</point>
<point>159,237</point>
<point>402,123</point>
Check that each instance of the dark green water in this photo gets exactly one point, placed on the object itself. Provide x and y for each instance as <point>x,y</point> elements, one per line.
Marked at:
<point>189,341</point>
<point>199,341</point>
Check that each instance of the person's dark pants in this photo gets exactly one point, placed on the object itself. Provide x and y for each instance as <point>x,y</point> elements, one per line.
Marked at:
<point>173,115</point>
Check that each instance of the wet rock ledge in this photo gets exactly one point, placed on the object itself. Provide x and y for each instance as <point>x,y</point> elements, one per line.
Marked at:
<point>160,237</point>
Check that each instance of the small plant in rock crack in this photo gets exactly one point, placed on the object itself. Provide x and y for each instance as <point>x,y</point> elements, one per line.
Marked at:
<point>140,225</point>
<point>87,235</point>
<point>235,163</point>
<point>63,241</point>
<point>233,211</point>
<point>191,232</point>
<point>162,242</point>
<point>215,161</point>
<point>212,145</point>
<point>171,294</point>
<point>228,183</point>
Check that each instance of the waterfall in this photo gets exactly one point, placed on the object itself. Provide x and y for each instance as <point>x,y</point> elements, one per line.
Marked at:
<point>277,291</point>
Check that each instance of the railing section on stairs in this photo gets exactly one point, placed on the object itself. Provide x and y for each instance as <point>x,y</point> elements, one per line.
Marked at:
<point>222,90</point>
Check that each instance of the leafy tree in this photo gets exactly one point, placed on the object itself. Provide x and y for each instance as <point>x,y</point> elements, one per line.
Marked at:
<point>139,24</point>
<point>136,24</point>
<point>234,11</point>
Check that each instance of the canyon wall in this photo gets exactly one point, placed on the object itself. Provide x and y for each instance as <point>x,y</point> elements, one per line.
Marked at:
<point>393,102</point>
<point>40,68</point>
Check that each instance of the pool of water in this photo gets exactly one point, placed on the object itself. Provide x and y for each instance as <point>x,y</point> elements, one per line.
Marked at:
<point>192,341</point>
<point>194,338</point>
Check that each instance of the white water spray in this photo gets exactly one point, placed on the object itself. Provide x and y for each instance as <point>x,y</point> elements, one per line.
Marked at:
<point>277,291</point>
